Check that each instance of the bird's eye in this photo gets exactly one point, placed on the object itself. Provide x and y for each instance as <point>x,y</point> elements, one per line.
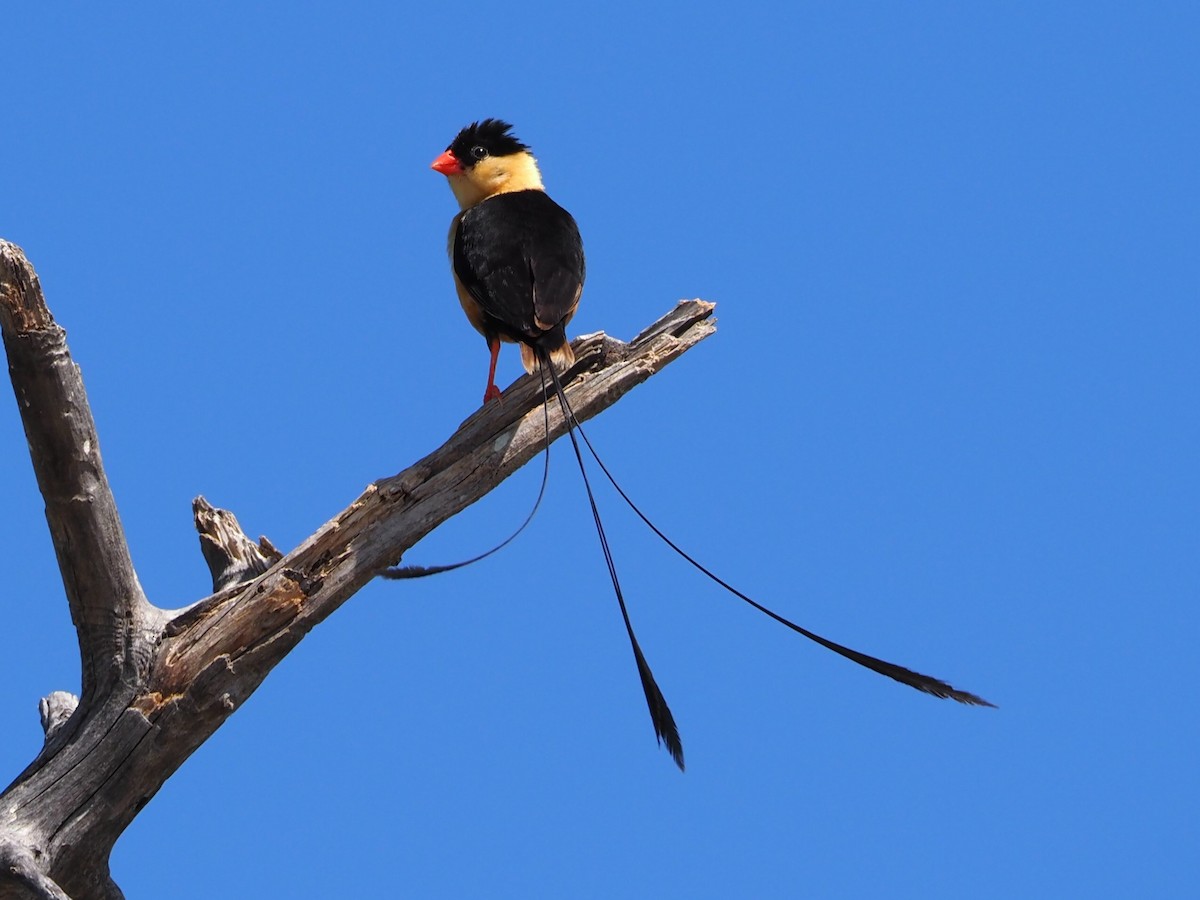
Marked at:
<point>479,152</point>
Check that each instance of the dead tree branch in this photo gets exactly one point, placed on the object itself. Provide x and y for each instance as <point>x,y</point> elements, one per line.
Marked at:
<point>107,603</point>
<point>157,684</point>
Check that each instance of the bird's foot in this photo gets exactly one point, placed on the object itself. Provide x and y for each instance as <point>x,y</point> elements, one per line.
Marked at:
<point>492,393</point>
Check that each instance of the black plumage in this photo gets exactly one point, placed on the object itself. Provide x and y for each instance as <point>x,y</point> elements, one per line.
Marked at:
<point>520,258</point>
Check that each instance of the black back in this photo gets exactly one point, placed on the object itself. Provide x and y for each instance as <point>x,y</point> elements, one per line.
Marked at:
<point>520,257</point>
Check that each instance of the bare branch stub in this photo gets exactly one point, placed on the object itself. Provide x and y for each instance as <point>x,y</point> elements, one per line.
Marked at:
<point>231,556</point>
<point>55,709</point>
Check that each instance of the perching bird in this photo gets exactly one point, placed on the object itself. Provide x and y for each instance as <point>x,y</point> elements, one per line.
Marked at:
<point>516,255</point>
<point>518,267</point>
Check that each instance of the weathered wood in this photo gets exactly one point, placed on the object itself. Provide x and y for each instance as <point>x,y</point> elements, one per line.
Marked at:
<point>231,556</point>
<point>107,604</point>
<point>157,684</point>
<point>55,709</point>
<point>21,878</point>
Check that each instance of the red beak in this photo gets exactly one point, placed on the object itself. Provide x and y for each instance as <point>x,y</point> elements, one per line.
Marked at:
<point>447,164</point>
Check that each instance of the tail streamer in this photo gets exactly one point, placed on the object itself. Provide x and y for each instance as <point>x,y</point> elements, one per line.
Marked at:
<point>660,714</point>
<point>924,683</point>
<point>398,573</point>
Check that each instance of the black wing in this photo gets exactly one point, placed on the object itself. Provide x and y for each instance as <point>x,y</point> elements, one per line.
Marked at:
<point>520,256</point>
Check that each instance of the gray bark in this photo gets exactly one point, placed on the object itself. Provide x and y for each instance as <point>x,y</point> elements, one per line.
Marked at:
<point>157,683</point>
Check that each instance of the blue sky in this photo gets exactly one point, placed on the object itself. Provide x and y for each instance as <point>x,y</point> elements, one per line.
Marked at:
<point>949,418</point>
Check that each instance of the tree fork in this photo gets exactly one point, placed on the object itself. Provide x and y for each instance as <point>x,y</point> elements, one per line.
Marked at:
<point>157,683</point>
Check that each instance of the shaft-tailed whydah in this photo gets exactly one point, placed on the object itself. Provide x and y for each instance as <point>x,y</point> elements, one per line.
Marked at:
<point>516,255</point>
<point>518,266</point>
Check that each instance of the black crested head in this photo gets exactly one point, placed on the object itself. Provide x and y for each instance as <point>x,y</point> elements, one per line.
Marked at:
<point>479,140</point>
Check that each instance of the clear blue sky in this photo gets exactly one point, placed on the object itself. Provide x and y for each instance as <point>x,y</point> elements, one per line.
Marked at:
<point>949,418</point>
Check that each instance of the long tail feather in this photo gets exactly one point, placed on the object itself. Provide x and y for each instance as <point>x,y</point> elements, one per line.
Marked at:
<point>660,714</point>
<point>925,683</point>
<point>397,573</point>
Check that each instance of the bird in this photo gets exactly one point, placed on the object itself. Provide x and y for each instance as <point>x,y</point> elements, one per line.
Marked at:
<point>518,266</point>
<point>516,255</point>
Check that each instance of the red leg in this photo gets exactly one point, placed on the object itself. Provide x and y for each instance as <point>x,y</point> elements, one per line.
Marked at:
<point>492,392</point>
